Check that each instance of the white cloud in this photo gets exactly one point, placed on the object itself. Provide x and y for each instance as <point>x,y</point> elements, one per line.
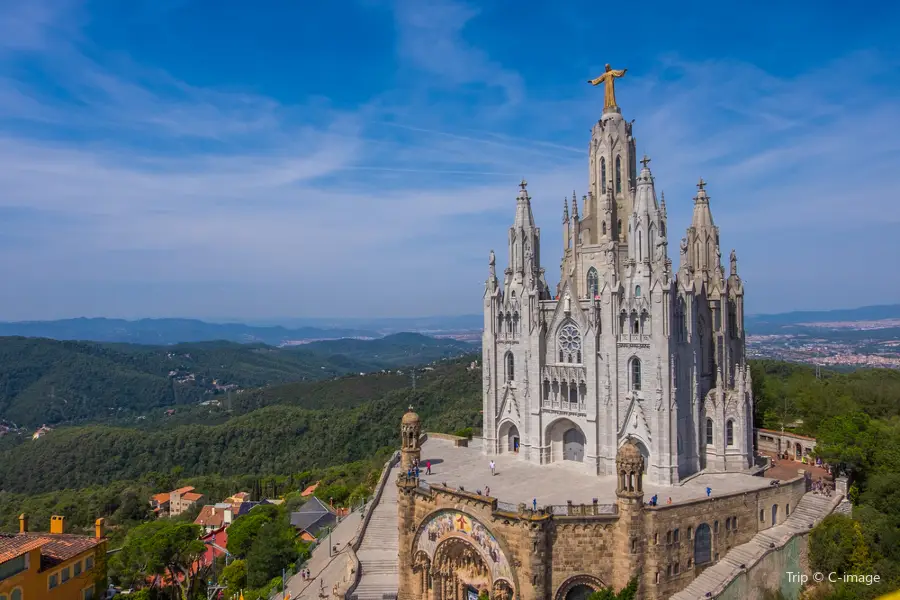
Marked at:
<point>296,198</point>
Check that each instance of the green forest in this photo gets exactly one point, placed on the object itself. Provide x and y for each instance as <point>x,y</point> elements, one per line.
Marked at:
<point>855,418</point>
<point>354,417</point>
<point>46,381</point>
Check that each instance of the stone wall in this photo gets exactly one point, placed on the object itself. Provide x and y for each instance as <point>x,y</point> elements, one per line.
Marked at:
<point>772,573</point>
<point>551,553</point>
<point>580,546</point>
<point>733,519</point>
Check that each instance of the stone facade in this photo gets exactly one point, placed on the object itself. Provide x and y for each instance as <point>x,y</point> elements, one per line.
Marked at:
<point>455,544</point>
<point>628,346</point>
<point>780,442</point>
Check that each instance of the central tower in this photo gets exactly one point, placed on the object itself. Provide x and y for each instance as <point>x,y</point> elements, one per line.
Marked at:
<point>626,349</point>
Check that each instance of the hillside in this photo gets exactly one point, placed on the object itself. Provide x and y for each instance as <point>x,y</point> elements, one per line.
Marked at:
<point>170,331</point>
<point>47,381</point>
<point>303,432</point>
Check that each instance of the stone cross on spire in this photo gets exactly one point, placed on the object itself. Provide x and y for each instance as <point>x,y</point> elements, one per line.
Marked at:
<point>523,184</point>
<point>701,185</point>
<point>645,161</point>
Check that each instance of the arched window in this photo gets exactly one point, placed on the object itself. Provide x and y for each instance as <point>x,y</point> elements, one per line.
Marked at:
<point>662,228</point>
<point>546,390</point>
<point>702,545</point>
<point>619,227</point>
<point>510,367</point>
<point>515,321</point>
<point>603,173</point>
<point>593,283</point>
<point>569,343</point>
<point>640,248</point>
<point>709,432</point>
<point>637,291</point>
<point>618,174</point>
<point>573,392</point>
<point>500,322</point>
<point>16,594</point>
<point>732,319</point>
<point>636,374</point>
<point>729,433</point>
<point>604,227</point>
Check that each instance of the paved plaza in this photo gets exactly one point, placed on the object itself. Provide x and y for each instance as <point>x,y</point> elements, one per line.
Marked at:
<point>520,481</point>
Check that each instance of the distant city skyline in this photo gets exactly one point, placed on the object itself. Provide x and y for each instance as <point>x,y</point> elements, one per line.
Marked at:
<point>205,160</point>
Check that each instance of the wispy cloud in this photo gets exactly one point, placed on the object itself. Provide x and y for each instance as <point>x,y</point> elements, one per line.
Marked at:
<point>131,174</point>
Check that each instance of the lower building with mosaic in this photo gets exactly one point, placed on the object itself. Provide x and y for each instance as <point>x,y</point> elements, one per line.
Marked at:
<point>534,532</point>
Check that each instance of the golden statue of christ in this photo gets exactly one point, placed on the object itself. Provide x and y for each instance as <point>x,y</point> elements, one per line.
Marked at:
<point>609,78</point>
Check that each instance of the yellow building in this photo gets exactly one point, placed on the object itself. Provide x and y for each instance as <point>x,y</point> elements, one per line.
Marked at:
<point>54,565</point>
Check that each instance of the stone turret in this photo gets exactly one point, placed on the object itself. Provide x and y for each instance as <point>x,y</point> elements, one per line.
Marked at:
<point>410,432</point>
<point>630,493</point>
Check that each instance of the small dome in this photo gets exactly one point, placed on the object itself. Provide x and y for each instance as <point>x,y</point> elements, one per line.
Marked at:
<point>410,417</point>
<point>629,452</point>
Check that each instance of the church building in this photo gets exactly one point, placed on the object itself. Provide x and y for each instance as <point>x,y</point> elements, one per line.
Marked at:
<point>628,347</point>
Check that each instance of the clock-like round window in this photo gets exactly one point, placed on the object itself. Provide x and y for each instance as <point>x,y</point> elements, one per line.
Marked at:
<point>569,343</point>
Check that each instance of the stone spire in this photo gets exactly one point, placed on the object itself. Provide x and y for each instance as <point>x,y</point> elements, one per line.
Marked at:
<point>565,218</point>
<point>702,216</point>
<point>574,205</point>
<point>704,254</point>
<point>646,192</point>
<point>524,217</point>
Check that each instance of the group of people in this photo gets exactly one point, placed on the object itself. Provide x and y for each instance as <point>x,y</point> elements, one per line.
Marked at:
<point>654,500</point>
<point>413,471</point>
<point>820,486</point>
<point>305,574</point>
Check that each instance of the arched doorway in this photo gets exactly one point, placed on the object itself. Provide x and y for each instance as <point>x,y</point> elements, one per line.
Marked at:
<point>774,515</point>
<point>579,592</point>
<point>566,441</point>
<point>461,558</point>
<point>509,437</point>
<point>573,445</point>
<point>798,451</point>
<point>579,587</point>
<point>702,544</point>
<point>462,568</point>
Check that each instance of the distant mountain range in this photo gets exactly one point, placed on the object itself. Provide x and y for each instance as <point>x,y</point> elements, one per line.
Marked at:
<point>784,322</point>
<point>173,331</point>
<point>291,331</point>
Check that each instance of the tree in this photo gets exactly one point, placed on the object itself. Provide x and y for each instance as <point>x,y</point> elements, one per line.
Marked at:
<point>234,576</point>
<point>243,531</point>
<point>629,592</point>
<point>273,550</point>
<point>837,545</point>
<point>166,548</point>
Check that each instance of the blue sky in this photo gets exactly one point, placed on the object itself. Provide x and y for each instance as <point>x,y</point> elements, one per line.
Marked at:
<point>287,159</point>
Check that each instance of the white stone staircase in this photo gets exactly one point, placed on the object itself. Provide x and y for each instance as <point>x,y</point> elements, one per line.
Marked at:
<point>377,554</point>
<point>811,509</point>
